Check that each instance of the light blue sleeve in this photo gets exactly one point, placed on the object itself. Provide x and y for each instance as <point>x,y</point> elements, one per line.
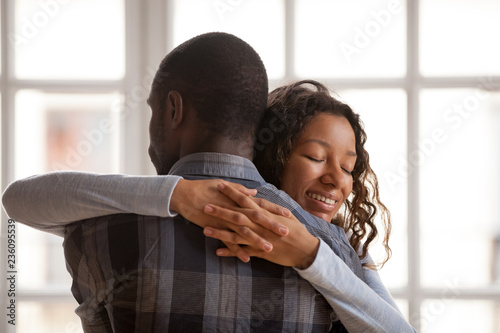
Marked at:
<point>373,280</point>
<point>50,201</point>
<point>357,304</point>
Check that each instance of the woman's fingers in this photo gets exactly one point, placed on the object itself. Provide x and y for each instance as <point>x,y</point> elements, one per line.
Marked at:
<point>272,207</point>
<point>239,198</point>
<point>233,217</point>
<point>266,220</point>
<point>224,235</point>
<point>222,252</point>
<point>226,252</point>
<point>231,190</point>
<point>237,251</point>
<point>247,217</point>
<point>254,213</point>
<point>242,235</point>
<point>247,191</point>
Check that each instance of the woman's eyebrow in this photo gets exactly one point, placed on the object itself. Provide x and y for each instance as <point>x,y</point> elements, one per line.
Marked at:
<point>321,142</point>
<point>329,146</point>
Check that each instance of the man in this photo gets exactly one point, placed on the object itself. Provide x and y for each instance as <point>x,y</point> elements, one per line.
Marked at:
<point>134,273</point>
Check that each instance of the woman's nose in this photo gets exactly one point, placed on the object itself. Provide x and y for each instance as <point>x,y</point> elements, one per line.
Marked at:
<point>334,176</point>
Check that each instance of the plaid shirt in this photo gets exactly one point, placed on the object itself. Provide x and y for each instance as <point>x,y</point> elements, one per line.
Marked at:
<point>134,273</point>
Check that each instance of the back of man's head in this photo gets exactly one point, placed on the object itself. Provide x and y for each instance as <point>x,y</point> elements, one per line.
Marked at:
<point>221,77</point>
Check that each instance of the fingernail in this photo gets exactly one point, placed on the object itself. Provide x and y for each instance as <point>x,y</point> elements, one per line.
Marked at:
<point>268,247</point>
<point>283,230</point>
<point>286,212</point>
<point>219,252</point>
<point>208,232</point>
<point>221,186</point>
<point>208,209</point>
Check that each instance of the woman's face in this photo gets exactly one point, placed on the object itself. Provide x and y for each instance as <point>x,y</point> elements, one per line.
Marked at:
<point>318,175</point>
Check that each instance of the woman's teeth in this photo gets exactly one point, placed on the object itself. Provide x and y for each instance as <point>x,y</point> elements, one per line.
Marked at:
<point>321,198</point>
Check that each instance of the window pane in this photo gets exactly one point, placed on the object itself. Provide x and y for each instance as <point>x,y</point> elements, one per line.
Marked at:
<point>350,38</point>
<point>59,132</point>
<point>459,157</point>
<point>1,34</point>
<point>260,23</point>
<point>78,39</point>
<point>448,315</point>
<point>1,140</point>
<point>66,132</point>
<point>40,261</point>
<point>384,115</point>
<point>459,37</point>
<point>52,318</point>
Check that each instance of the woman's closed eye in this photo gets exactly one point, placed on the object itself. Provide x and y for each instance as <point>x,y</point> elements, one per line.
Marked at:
<point>315,159</point>
<point>347,171</point>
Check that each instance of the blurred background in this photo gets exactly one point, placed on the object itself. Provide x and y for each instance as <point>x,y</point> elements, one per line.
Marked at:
<point>423,74</point>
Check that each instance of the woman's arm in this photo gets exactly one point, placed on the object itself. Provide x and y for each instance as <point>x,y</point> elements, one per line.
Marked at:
<point>360,306</point>
<point>373,280</point>
<point>50,201</point>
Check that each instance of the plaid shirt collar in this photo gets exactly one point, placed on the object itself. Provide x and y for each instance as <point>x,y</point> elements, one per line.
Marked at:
<point>216,165</point>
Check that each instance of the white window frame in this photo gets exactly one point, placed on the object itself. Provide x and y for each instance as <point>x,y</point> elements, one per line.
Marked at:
<point>148,26</point>
<point>412,83</point>
<point>134,137</point>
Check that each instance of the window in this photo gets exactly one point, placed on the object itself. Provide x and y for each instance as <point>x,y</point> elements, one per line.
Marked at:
<point>62,91</point>
<point>423,75</point>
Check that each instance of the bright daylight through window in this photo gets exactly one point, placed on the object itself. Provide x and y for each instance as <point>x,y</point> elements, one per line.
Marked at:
<point>423,75</point>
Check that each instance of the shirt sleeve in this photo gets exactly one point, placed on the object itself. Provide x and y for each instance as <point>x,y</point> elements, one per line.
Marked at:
<point>50,201</point>
<point>359,307</point>
<point>373,280</point>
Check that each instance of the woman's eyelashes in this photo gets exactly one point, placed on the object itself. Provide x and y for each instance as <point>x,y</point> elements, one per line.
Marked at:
<point>315,159</point>
<point>319,160</point>
<point>347,171</point>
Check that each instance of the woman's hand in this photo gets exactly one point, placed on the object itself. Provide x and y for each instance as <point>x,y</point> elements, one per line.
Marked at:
<point>297,249</point>
<point>191,196</point>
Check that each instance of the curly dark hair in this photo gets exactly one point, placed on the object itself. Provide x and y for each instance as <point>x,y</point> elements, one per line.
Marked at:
<point>289,110</point>
<point>222,77</point>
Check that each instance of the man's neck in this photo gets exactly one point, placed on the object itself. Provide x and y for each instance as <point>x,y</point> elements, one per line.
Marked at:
<point>220,144</point>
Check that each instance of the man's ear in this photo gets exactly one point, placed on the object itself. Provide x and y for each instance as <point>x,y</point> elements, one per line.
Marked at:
<point>175,106</point>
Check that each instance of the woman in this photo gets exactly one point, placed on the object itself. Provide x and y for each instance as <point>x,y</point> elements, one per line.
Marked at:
<point>287,161</point>
<point>317,156</point>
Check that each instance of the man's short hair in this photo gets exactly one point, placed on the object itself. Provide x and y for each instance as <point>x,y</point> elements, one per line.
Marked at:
<point>221,77</point>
